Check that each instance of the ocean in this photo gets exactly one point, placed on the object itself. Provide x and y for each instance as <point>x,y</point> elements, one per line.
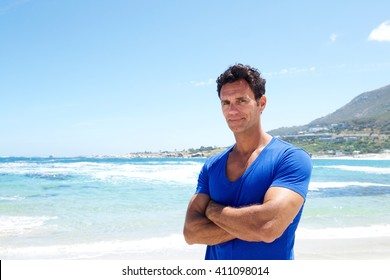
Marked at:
<point>88,208</point>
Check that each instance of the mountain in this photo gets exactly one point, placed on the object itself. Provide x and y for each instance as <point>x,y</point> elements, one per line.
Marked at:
<point>368,110</point>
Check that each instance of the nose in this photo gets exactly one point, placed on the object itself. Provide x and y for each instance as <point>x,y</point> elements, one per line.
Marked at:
<point>232,109</point>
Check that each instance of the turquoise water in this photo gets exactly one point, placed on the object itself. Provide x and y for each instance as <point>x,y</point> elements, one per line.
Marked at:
<point>81,202</point>
<point>347,193</point>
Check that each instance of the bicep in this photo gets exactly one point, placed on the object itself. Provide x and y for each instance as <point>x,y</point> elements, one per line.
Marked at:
<point>285,205</point>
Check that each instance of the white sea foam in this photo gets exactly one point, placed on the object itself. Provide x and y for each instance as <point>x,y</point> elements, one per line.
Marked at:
<point>365,169</point>
<point>329,185</point>
<point>178,173</point>
<point>18,225</point>
<point>11,198</point>
<point>157,173</point>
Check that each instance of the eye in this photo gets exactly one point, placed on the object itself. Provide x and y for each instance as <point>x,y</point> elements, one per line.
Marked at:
<point>241,101</point>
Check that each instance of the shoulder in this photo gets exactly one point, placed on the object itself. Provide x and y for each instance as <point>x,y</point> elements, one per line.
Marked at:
<point>285,150</point>
<point>293,167</point>
<point>288,159</point>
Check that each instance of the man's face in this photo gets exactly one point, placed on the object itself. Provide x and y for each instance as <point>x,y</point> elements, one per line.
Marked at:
<point>239,106</point>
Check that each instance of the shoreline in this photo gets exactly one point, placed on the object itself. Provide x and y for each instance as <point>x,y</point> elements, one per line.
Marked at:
<point>379,156</point>
<point>365,248</point>
<point>188,155</point>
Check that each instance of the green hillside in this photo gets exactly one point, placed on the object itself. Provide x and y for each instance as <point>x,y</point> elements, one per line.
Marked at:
<point>359,127</point>
<point>367,110</point>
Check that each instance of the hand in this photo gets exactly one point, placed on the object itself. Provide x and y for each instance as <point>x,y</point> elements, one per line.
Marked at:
<point>212,209</point>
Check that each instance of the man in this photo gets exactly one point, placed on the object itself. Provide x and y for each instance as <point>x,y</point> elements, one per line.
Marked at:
<point>249,199</point>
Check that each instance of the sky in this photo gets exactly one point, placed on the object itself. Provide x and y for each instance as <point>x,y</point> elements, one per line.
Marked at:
<point>110,77</point>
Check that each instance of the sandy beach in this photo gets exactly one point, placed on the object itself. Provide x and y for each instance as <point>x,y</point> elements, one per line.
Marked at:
<point>305,249</point>
<point>319,249</point>
<point>343,249</point>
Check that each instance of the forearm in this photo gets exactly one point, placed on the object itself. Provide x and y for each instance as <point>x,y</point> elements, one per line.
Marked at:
<point>250,223</point>
<point>201,230</point>
<point>198,229</point>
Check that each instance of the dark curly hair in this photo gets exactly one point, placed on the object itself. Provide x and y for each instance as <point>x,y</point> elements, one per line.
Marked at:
<point>239,71</point>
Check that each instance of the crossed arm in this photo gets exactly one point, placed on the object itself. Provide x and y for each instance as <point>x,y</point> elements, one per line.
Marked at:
<point>208,222</point>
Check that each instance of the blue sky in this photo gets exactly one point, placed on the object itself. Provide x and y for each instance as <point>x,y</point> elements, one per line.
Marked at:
<point>110,77</point>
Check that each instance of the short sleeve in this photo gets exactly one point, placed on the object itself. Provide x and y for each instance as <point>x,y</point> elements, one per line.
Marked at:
<point>293,171</point>
<point>203,181</point>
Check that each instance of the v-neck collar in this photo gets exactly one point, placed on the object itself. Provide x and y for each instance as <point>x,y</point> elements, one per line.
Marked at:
<point>250,167</point>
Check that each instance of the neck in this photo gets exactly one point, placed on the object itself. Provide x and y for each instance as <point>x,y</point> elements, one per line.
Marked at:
<point>248,144</point>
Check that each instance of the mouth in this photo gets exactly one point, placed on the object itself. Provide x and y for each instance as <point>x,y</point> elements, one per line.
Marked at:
<point>235,120</point>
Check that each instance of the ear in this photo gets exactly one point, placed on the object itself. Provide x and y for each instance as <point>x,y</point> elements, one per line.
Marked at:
<point>262,102</point>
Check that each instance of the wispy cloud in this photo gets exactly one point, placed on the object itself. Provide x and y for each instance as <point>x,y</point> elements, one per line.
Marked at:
<point>203,83</point>
<point>333,37</point>
<point>381,33</point>
<point>290,71</point>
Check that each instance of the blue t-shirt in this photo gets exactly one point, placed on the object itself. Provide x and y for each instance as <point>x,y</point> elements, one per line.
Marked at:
<point>279,164</point>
